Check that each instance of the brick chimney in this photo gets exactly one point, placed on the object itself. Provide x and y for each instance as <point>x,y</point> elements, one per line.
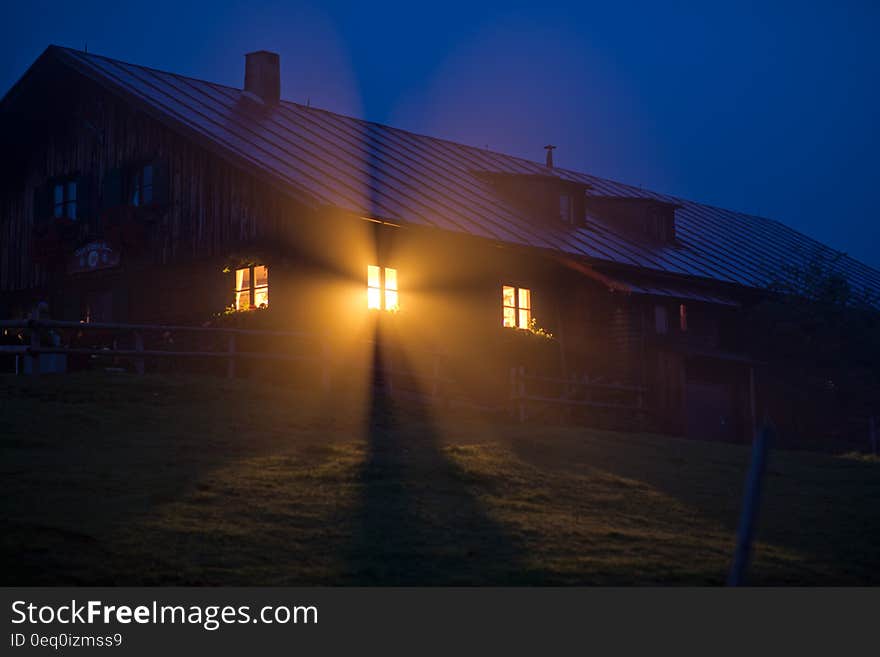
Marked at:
<point>262,76</point>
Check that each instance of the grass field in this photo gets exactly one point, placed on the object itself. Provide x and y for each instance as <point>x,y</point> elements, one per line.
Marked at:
<point>116,479</point>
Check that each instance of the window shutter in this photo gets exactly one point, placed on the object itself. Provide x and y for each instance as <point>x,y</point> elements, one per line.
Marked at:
<point>41,204</point>
<point>112,194</point>
<point>85,198</point>
<point>161,178</point>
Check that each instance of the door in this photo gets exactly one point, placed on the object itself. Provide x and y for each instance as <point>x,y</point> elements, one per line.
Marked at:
<point>711,411</point>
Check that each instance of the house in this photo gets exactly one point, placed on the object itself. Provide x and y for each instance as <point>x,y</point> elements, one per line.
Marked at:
<point>135,195</point>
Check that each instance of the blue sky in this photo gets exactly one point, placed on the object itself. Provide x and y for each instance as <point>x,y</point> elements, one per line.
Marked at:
<point>766,107</point>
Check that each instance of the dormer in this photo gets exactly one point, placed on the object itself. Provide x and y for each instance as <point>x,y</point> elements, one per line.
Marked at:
<point>643,219</point>
<point>546,198</point>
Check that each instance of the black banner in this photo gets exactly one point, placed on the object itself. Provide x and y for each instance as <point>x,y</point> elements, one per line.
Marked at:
<point>232,621</point>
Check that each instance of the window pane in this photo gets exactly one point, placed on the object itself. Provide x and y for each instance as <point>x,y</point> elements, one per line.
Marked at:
<point>373,276</point>
<point>59,210</point>
<point>243,300</point>
<point>390,278</point>
<point>661,321</point>
<point>71,191</point>
<point>148,175</point>
<point>565,207</point>
<point>508,296</point>
<point>147,195</point>
<point>261,275</point>
<point>71,209</point>
<point>59,194</point>
<point>261,297</point>
<point>525,298</point>
<point>509,320</point>
<point>374,298</point>
<point>524,316</point>
<point>391,300</point>
<point>242,279</point>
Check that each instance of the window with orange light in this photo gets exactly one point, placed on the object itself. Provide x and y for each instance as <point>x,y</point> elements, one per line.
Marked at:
<point>516,306</point>
<point>252,287</point>
<point>382,292</point>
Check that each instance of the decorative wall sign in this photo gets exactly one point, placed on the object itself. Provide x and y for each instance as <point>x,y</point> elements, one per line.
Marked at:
<point>94,255</point>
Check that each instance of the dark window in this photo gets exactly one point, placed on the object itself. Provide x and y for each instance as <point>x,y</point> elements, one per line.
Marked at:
<point>566,208</point>
<point>661,320</point>
<point>64,199</point>
<point>142,186</point>
<point>97,306</point>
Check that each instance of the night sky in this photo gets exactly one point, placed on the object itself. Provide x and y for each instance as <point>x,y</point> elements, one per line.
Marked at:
<point>771,109</point>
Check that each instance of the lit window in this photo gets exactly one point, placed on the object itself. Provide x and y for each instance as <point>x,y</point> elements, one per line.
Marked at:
<point>252,287</point>
<point>683,317</point>
<point>382,288</point>
<point>516,306</point>
<point>142,186</point>
<point>64,199</point>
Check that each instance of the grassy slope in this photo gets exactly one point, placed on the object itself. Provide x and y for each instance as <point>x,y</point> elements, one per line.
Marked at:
<point>126,480</point>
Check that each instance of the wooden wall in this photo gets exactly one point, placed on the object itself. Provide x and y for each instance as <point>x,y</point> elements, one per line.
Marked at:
<point>450,286</point>
<point>213,209</point>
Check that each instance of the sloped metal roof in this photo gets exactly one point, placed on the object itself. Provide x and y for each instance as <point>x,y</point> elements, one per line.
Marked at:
<point>383,172</point>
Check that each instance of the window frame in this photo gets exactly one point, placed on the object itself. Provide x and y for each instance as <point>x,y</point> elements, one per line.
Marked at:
<point>68,204</point>
<point>517,307</point>
<point>382,288</point>
<point>137,186</point>
<point>568,216</point>
<point>661,319</point>
<point>252,288</point>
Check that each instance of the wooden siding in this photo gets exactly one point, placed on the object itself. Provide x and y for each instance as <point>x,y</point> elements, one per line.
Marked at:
<point>212,207</point>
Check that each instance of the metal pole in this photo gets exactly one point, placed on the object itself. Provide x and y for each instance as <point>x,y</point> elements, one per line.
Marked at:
<point>751,504</point>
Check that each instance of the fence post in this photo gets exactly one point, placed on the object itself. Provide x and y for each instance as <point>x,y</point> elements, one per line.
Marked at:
<point>389,380</point>
<point>230,363</point>
<point>35,343</point>
<point>325,365</point>
<point>512,392</point>
<point>138,346</point>
<point>521,394</point>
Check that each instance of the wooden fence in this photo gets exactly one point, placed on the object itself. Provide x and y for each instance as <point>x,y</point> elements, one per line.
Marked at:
<point>533,396</point>
<point>388,370</point>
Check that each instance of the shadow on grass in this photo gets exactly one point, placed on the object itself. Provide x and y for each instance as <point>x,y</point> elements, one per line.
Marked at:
<point>813,504</point>
<point>419,520</point>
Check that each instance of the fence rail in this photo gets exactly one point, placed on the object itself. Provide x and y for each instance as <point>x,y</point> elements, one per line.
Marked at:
<point>322,356</point>
<point>529,392</point>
